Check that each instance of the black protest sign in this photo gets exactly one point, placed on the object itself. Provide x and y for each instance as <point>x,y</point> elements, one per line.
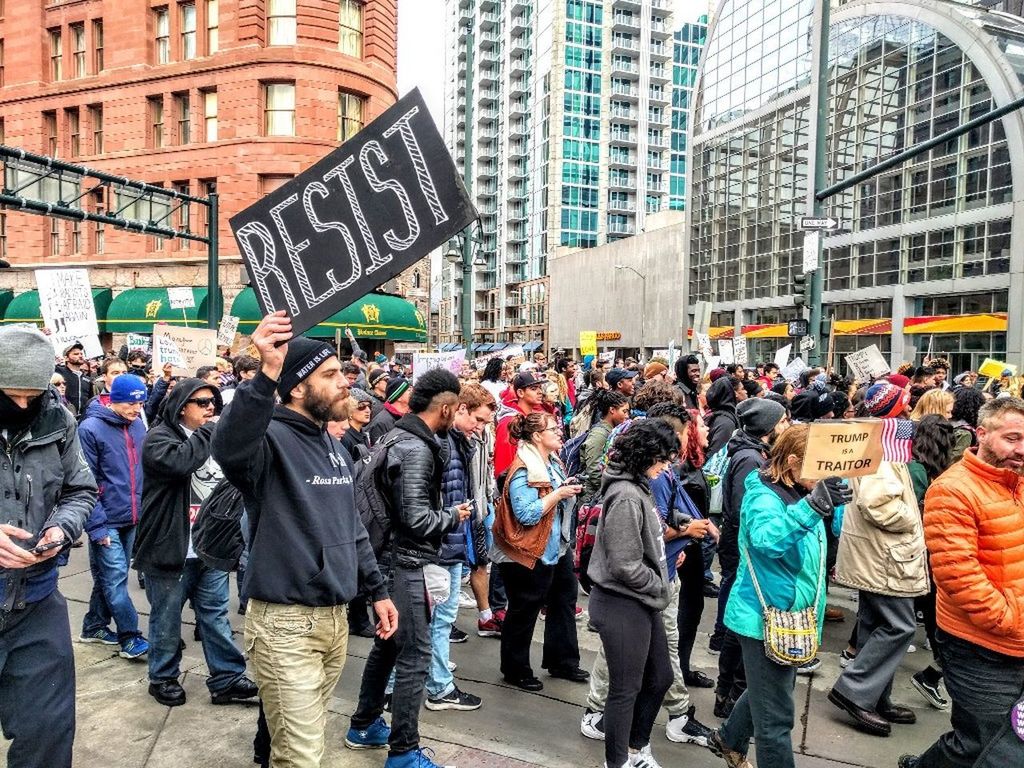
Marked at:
<point>365,212</point>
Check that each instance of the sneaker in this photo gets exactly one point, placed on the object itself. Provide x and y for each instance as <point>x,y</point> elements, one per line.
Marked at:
<point>723,706</point>
<point>418,758</point>
<point>846,658</point>
<point>466,600</point>
<point>374,736</point>
<point>499,615</point>
<point>732,758</point>
<point>457,699</point>
<point>643,759</point>
<point>809,667</point>
<point>930,691</point>
<point>489,628</point>
<point>711,590</point>
<point>592,725</point>
<point>457,636</point>
<point>912,648</point>
<point>908,761</point>
<point>104,636</point>
<point>927,644</point>
<point>715,643</point>
<point>580,613</point>
<point>452,666</point>
<point>134,647</point>
<point>686,729</point>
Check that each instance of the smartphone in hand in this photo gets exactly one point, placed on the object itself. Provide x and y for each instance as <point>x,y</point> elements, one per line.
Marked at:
<point>38,550</point>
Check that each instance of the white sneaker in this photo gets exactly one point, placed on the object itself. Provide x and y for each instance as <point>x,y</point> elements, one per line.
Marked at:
<point>466,600</point>
<point>643,759</point>
<point>912,648</point>
<point>452,666</point>
<point>592,725</point>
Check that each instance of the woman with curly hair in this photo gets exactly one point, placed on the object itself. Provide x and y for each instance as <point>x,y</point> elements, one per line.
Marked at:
<point>966,402</point>
<point>628,571</point>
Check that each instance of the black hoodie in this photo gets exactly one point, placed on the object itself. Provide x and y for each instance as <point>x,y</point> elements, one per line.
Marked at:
<point>307,543</point>
<point>746,454</point>
<point>169,459</point>
<point>723,421</point>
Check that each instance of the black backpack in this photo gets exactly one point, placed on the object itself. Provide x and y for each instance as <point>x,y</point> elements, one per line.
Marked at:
<point>570,454</point>
<point>217,532</point>
<point>371,500</point>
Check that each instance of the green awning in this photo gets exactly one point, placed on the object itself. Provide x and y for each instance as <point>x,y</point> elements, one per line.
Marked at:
<point>138,309</point>
<point>24,308</point>
<point>375,316</point>
<point>5,299</point>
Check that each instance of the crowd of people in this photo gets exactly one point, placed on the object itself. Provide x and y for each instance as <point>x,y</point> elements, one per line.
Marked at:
<point>377,503</point>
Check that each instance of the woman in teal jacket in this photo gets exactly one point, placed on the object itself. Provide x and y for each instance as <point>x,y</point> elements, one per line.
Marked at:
<point>782,539</point>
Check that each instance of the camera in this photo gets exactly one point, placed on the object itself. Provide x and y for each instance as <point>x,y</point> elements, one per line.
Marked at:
<point>677,520</point>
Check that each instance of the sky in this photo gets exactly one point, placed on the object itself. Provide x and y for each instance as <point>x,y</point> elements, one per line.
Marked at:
<point>421,46</point>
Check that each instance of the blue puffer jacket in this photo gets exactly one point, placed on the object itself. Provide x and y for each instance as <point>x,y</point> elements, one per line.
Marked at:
<point>455,489</point>
<point>113,449</point>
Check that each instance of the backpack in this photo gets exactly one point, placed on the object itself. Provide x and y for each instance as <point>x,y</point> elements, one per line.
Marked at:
<point>570,454</point>
<point>371,501</point>
<point>586,536</point>
<point>217,533</point>
<point>714,472</point>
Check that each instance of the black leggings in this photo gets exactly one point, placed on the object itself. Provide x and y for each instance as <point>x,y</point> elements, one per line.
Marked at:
<point>691,601</point>
<point>639,672</point>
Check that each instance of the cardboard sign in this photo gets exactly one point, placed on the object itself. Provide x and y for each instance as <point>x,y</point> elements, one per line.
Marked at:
<point>184,348</point>
<point>373,207</point>
<point>701,323</point>
<point>65,301</point>
<point>739,350</point>
<point>704,345</point>
<point>867,364</point>
<point>993,369</point>
<point>428,361</point>
<point>227,330</point>
<point>137,341</point>
<point>725,352</point>
<point>782,356</point>
<point>792,370</point>
<point>843,449</point>
<point>588,343</point>
<point>181,298</point>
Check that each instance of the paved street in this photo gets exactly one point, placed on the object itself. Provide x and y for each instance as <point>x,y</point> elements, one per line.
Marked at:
<point>120,726</point>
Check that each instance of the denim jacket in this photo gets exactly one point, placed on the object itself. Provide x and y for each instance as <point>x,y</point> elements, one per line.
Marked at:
<point>528,506</point>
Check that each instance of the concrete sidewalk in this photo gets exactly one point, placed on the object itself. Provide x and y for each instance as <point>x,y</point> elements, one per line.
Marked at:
<point>121,726</point>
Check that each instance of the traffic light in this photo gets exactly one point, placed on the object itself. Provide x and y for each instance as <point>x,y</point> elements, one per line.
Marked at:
<point>799,289</point>
<point>826,328</point>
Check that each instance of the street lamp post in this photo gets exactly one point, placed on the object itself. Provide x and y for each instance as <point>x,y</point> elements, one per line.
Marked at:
<point>465,257</point>
<point>643,308</point>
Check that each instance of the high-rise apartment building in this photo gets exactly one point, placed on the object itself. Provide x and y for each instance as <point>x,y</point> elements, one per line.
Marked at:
<point>560,114</point>
<point>688,42</point>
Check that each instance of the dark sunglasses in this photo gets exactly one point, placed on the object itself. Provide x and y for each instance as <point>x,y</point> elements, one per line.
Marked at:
<point>202,402</point>
<point>363,407</point>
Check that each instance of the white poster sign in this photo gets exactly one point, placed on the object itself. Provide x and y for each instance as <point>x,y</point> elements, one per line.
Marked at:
<point>137,341</point>
<point>711,363</point>
<point>704,344</point>
<point>428,361</point>
<point>791,372</point>
<point>227,330</point>
<point>186,349</point>
<point>701,322</point>
<point>867,364</point>
<point>65,300</point>
<point>739,351</point>
<point>181,298</point>
<point>725,351</point>
<point>782,356</point>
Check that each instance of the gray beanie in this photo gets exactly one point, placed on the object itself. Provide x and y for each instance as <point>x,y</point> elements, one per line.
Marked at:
<point>26,358</point>
<point>758,416</point>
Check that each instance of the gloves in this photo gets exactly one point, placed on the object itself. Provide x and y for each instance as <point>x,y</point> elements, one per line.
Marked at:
<point>828,494</point>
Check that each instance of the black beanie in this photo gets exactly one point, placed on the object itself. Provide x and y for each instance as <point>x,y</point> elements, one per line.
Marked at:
<point>304,356</point>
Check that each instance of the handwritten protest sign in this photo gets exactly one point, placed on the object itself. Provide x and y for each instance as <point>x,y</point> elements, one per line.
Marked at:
<point>725,352</point>
<point>186,349</point>
<point>792,370</point>
<point>704,345</point>
<point>843,449</point>
<point>227,330</point>
<point>588,343</point>
<point>428,361</point>
<point>65,300</point>
<point>867,364</point>
<point>137,341</point>
<point>181,298</point>
<point>739,350</point>
<point>371,208</point>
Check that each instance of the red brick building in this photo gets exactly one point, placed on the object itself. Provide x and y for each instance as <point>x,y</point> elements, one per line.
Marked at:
<point>232,95</point>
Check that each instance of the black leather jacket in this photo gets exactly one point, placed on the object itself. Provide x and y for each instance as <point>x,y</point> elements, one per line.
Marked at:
<point>419,520</point>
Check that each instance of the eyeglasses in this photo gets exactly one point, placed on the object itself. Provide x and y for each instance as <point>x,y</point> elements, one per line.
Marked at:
<point>202,402</point>
<point>552,429</point>
<point>363,407</point>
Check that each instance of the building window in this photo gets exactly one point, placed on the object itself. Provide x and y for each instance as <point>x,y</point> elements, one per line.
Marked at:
<point>281,22</point>
<point>1,63</point>
<point>207,187</point>
<point>76,236</point>
<point>182,110</point>
<point>188,31</point>
<point>162,20</point>
<point>279,109</point>
<point>271,182</point>
<point>350,32</point>
<point>350,115</point>
<point>54,236</point>
<point>56,56</point>
<point>78,49</point>
<point>212,27</point>
<point>100,207</point>
<point>50,131</point>
<point>97,45</point>
<point>75,131</point>
<point>3,235</point>
<point>184,216</point>
<point>96,118</point>
<point>156,120</point>
<point>210,115</point>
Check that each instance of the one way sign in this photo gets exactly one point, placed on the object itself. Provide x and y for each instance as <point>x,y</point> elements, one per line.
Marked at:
<point>816,222</point>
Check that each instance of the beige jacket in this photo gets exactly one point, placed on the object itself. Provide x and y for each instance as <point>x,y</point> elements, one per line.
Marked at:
<point>881,549</point>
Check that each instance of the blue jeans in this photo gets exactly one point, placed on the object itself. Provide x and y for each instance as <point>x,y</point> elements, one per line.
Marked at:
<point>208,590</point>
<point>765,710</point>
<point>440,682</point>
<point>110,598</point>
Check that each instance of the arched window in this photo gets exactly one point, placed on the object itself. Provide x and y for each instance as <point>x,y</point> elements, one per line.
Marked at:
<point>416,278</point>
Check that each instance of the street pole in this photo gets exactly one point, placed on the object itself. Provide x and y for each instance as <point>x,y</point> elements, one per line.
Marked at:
<point>643,320</point>
<point>467,178</point>
<point>213,303</point>
<point>820,102</point>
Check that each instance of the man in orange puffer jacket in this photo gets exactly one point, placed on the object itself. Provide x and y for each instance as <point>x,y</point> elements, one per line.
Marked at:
<point>974,527</point>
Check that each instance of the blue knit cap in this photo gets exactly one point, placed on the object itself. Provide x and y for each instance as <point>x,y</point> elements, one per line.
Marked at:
<point>128,388</point>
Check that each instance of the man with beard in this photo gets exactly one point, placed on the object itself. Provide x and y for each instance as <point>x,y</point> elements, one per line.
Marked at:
<point>688,380</point>
<point>974,528</point>
<point>412,483</point>
<point>47,495</point>
<point>76,376</point>
<point>309,553</point>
